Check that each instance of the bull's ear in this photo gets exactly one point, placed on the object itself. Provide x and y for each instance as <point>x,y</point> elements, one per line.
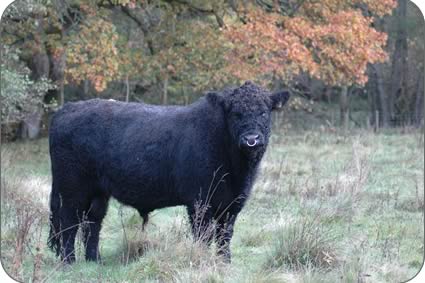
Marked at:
<point>279,99</point>
<point>215,98</point>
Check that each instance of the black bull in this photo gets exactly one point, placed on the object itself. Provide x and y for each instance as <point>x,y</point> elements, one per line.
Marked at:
<point>151,157</point>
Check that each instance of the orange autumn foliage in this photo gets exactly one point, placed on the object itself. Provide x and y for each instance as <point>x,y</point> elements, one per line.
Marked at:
<point>332,41</point>
<point>91,54</point>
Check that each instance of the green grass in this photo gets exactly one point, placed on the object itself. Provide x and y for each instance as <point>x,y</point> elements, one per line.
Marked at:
<point>325,208</point>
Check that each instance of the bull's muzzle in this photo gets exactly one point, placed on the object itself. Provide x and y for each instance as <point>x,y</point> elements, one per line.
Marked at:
<point>252,143</point>
<point>251,140</point>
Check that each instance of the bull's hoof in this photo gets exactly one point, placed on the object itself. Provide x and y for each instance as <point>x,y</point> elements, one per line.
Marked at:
<point>70,259</point>
<point>225,256</point>
<point>94,258</point>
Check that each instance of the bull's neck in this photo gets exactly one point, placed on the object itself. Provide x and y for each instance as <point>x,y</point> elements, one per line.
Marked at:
<point>244,170</point>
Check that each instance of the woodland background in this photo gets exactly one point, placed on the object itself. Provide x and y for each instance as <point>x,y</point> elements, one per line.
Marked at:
<point>355,63</point>
<point>339,195</point>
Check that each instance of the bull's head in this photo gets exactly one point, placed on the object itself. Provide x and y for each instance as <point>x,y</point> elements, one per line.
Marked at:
<point>248,114</point>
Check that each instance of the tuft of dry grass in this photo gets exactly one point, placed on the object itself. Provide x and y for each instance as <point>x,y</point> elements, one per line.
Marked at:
<point>170,253</point>
<point>24,218</point>
<point>302,244</point>
<point>24,215</point>
<point>173,256</point>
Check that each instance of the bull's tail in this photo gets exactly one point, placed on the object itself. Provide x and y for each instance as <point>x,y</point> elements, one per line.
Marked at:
<point>54,240</point>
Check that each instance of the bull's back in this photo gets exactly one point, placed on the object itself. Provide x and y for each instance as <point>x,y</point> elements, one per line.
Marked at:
<point>129,150</point>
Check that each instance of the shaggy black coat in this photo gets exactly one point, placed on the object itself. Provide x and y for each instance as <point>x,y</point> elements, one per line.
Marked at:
<point>149,157</point>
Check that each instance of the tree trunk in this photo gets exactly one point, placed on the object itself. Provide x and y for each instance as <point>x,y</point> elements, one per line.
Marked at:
<point>185,96</point>
<point>419,102</point>
<point>61,93</point>
<point>86,87</point>
<point>31,125</point>
<point>343,107</point>
<point>399,68</point>
<point>371,96</point>
<point>40,60</point>
<point>165,90</point>
<point>383,108</point>
<point>127,89</point>
<point>328,94</point>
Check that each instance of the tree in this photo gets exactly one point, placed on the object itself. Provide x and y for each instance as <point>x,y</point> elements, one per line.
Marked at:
<point>91,53</point>
<point>76,38</point>
<point>171,48</point>
<point>22,97</point>
<point>396,87</point>
<point>331,40</point>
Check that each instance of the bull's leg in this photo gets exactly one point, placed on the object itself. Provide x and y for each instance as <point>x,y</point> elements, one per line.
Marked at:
<point>69,223</point>
<point>91,228</point>
<point>145,217</point>
<point>224,234</point>
<point>201,221</point>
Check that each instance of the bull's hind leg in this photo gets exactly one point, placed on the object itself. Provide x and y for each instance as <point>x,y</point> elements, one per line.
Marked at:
<point>69,222</point>
<point>92,225</point>
<point>71,190</point>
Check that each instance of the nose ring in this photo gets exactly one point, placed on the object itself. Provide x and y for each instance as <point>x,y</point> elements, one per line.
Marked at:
<point>251,145</point>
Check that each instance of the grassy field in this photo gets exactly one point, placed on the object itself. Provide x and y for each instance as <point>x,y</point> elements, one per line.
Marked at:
<point>326,208</point>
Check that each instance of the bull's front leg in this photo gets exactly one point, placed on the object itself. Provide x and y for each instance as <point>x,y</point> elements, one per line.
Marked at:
<point>224,234</point>
<point>225,222</point>
<point>201,221</point>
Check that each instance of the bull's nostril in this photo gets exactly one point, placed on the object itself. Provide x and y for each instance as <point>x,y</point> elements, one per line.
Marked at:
<point>251,143</point>
<point>251,140</point>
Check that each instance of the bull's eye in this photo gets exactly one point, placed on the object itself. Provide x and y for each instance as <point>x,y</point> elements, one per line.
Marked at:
<point>264,114</point>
